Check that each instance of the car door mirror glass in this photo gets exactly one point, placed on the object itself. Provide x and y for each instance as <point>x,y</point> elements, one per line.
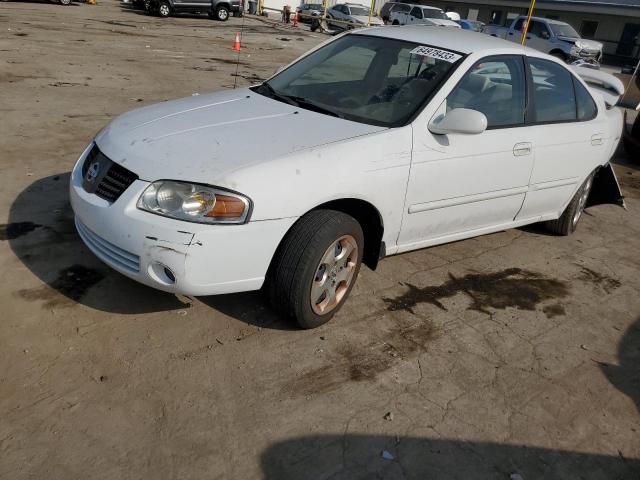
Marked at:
<point>459,120</point>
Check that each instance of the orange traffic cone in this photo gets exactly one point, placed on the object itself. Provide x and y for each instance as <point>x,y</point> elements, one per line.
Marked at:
<point>295,20</point>
<point>236,43</point>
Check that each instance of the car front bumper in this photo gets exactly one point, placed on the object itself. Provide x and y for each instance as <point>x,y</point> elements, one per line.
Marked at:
<point>173,255</point>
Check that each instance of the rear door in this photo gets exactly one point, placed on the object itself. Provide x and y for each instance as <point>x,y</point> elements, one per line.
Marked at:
<point>569,137</point>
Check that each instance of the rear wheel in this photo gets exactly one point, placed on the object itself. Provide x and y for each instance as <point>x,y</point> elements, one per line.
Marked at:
<point>566,224</point>
<point>65,2</point>
<point>164,9</point>
<point>395,22</point>
<point>316,266</point>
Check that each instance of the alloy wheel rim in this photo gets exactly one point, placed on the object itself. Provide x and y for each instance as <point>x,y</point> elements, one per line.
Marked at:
<point>222,14</point>
<point>582,202</point>
<point>164,10</point>
<point>334,275</point>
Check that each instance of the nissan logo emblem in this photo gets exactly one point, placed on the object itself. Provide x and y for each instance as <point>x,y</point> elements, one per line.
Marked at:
<point>92,172</point>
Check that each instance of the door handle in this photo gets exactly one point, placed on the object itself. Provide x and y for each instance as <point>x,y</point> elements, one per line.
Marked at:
<point>521,149</point>
<point>597,139</point>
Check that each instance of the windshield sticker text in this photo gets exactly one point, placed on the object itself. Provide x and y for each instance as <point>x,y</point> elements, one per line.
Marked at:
<point>436,53</point>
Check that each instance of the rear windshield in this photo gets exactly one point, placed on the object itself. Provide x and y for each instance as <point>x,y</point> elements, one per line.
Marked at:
<point>367,79</point>
<point>433,13</point>
<point>358,10</point>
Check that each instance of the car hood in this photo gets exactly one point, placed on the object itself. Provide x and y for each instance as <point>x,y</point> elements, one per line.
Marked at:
<point>588,44</point>
<point>205,137</point>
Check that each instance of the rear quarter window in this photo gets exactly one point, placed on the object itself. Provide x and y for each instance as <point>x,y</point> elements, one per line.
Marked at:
<point>587,108</point>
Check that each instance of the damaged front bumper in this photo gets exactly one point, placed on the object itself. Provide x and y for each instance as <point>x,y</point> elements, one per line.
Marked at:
<point>172,255</point>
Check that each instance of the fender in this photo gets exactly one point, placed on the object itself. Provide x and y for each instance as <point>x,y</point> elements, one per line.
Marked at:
<point>606,189</point>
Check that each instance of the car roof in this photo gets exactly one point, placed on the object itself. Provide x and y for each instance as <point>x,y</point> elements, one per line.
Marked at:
<point>457,39</point>
<point>420,6</point>
<point>549,20</point>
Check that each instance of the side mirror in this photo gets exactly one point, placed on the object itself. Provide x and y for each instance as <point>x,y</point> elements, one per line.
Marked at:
<point>459,120</point>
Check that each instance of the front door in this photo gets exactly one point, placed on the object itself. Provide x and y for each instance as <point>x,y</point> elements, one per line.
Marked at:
<point>461,185</point>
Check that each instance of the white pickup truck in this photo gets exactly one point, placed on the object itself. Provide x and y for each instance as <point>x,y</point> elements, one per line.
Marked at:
<point>550,36</point>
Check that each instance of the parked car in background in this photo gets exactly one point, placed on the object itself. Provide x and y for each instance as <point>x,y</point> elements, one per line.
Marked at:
<point>473,25</point>
<point>216,9</point>
<point>412,14</point>
<point>351,14</point>
<point>307,11</point>
<point>550,36</point>
<point>386,8</point>
<point>396,139</point>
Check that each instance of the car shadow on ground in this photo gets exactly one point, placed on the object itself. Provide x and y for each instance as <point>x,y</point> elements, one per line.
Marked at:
<point>358,456</point>
<point>42,234</point>
<point>353,456</point>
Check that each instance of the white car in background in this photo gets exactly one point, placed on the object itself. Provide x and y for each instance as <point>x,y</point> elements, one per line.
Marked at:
<point>410,14</point>
<point>349,15</point>
<point>397,139</point>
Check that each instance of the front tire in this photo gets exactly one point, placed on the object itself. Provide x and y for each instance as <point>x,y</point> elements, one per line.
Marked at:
<point>164,9</point>
<point>222,14</point>
<point>65,2</point>
<point>316,267</point>
<point>568,221</point>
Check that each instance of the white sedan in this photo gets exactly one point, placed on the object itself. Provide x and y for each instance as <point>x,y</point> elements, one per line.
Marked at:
<point>377,142</point>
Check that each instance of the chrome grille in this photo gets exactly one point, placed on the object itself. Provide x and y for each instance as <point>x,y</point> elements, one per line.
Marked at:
<point>106,251</point>
<point>107,179</point>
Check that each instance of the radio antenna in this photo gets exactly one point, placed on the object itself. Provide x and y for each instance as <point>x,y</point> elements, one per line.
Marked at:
<point>235,77</point>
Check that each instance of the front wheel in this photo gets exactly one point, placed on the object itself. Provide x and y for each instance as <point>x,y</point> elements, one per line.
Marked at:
<point>316,267</point>
<point>65,2</point>
<point>164,10</point>
<point>568,221</point>
<point>222,14</point>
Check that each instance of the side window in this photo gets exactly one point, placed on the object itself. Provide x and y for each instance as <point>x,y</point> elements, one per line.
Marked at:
<point>406,8</point>
<point>539,29</point>
<point>553,96</point>
<point>518,26</point>
<point>587,109</point>
<point>494,86</point>
<point>416,12</point>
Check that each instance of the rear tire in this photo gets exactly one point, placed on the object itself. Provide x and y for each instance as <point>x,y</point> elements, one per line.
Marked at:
<point>395,22</point>
<point>164,9</point>
<point>566,224</point>
<point>315,267</point>
<point>65,2</point>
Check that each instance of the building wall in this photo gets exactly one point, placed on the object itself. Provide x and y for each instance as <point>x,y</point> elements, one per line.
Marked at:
<point>609,30</point>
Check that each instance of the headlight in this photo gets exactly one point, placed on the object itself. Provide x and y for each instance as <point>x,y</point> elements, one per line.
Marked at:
<point>579,45</point>
<point>194,203</point>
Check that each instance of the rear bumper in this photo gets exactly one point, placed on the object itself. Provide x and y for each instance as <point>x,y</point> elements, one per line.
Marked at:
<point>172,255</point>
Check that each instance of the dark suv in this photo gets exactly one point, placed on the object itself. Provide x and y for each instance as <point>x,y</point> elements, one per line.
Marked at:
<point>216,9</point>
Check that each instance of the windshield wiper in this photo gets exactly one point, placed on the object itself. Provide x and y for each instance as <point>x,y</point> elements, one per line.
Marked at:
<point>298,101</point>
<point>311,105</point>
<point>278,96</point>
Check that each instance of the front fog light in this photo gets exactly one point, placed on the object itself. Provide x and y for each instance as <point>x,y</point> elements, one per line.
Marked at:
<point>194,202</point>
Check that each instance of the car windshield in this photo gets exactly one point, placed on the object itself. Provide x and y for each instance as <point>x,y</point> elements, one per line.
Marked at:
<point>314,6</point>
<point>433,13</point>
<point>375,80</point>
<point>565,30</point>
<point>358,10</point>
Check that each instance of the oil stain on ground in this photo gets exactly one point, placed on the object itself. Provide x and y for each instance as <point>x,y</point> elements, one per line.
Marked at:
<point>608,284</point>
<point>364,362</point>
<point>72,282</point>
<point>512,287</point>
<point>11,231</point>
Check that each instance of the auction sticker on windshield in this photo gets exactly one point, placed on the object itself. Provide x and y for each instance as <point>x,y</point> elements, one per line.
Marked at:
<point>436,53</point>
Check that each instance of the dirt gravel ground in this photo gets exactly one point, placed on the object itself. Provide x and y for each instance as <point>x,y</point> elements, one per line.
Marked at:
<point>517,352</point>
